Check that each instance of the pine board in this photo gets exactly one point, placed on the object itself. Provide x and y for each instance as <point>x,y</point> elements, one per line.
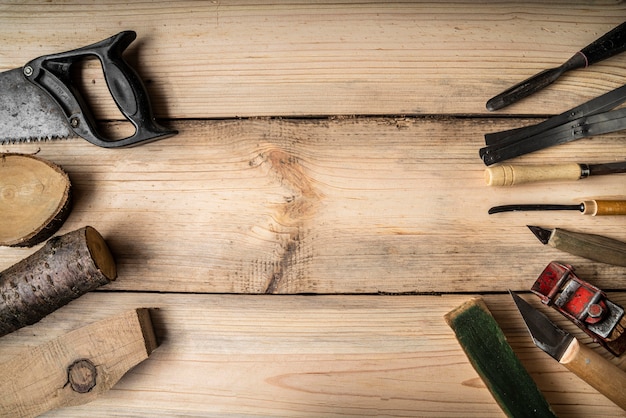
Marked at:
<point>357,205</point>
<point>233,355</point>
<point>329,150</point>
<point>239,58</point>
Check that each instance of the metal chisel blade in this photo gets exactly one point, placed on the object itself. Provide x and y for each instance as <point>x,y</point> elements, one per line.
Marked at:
<point>27,113</point>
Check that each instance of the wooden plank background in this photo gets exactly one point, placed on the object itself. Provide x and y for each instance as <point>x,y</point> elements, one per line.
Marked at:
<point>328,152</point>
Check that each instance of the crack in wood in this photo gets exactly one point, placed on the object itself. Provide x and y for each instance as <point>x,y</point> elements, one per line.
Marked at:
<point>290,217</point>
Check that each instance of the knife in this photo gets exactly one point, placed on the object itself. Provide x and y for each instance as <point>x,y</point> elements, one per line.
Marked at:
<point>588,207</point>
<point>41,100</point>
<point>610,44</point>
<point>509,175</point>
<point>591,246</point>
<point>585,363</point>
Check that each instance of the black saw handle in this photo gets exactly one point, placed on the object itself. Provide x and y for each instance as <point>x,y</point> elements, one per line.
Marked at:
<point>52,73</point>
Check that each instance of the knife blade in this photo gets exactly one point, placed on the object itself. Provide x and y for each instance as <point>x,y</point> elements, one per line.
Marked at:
<point>588,207</point>
<point>590,366</point>
<point>591,246</point>
<point>41,100</point>
<point>509,175</point>
<point>610,44</point>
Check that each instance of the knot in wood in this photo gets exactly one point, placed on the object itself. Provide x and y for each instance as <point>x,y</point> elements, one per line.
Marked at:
<point>81,375</point>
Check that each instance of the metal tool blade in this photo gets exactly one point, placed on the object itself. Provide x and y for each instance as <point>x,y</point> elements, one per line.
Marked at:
<point>27,113</point>
<point>547,336</point>
<point>542,234</point>
<point>521,208</point>
<point>607,168</point>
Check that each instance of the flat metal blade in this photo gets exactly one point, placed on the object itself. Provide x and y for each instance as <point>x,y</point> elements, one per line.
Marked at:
<point>27,113</point>
<point>607,168</point>
<point>547,336</point>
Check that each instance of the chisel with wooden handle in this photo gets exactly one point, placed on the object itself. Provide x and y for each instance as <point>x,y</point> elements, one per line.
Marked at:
<point>604,376</point>
<point>509,175</point>
<point>588,207</point>
<point>591,246</point>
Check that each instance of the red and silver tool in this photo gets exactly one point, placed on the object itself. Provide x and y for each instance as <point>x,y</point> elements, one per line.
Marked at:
<point>584,304</point>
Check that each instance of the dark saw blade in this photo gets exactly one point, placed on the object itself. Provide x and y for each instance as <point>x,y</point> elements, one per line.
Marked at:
<point>27,113</point>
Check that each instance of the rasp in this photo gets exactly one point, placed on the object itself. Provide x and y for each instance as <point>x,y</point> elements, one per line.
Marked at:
<point>591,246</point>
<point>600,373</point>
<point>509,175</point>
<point>610,44</point>
<point>588,207</point>
<point>41,100</point>
<point>593,117</point>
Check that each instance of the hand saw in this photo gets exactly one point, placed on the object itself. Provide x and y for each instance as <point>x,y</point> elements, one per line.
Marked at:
<point>41,101</point>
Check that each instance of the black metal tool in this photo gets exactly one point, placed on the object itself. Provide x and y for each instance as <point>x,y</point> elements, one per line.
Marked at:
<point>610,44</point>
<point>590,366</point>
<point>509,175</point>
<point>589,119</point>
<point>41,100</point>
<point>588,207</point>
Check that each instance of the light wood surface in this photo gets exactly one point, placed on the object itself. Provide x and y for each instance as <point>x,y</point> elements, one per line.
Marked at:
<point>597,371</point>
<point>328,150</point>
<point>77,367</point>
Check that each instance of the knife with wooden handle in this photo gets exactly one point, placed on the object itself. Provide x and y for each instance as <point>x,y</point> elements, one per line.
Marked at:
<point>585,363</point>
<point>509,175</point>
<point>588,207</point>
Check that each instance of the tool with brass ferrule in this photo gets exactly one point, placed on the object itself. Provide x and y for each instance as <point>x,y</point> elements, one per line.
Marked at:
<point>590,366</point>
<point>509,175</point>
<point>591,246</point>
<point>610,44</point>
<point>588,207</point>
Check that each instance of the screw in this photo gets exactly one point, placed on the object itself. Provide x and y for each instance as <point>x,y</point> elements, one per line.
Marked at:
<point>74,122</point>
<point>595,311</point>
<point>28,71</point>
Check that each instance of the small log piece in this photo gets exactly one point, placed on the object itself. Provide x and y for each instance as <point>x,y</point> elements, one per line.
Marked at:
<point>65,268</point>
<point>35,199</point>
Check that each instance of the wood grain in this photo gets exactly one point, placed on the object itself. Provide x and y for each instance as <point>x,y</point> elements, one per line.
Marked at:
<point>232,355</point>
<point>357,205</point>
<point>236,58</point>
<point>324,148</point>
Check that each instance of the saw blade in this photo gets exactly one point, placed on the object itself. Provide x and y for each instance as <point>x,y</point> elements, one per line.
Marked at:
<point>27,113</point>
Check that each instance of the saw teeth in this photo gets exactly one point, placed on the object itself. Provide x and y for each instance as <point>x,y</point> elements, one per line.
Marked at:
<point>33,139</point>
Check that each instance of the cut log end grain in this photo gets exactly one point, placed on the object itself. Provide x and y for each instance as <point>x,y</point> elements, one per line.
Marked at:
<point>35,199</point>
<point>65,268</point>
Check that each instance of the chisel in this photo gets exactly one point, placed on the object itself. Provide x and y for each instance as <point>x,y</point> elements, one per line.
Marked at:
<point>597,371</point>
<point>591,246</point>
<point>509,175</point>
<point>610,44</point>
<point>588,207</point>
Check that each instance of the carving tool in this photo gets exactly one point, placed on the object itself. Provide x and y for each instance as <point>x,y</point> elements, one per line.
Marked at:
<point>509,175</point>
<point>588,119</point>
<point>495,361</point>
<point>590,366</point>
<point>591,246</point>
<point>41,100</point>
<point>588,207</point>
<point>610,44</point>
<point>583,304</point>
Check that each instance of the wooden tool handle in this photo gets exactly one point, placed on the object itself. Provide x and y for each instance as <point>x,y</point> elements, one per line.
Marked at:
<point>604,376</point>
<point>591,246</point>
<point>604,207</point>
<point>508,175</point>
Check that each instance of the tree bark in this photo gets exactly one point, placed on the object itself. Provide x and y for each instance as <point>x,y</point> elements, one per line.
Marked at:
<point>62,270</point>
